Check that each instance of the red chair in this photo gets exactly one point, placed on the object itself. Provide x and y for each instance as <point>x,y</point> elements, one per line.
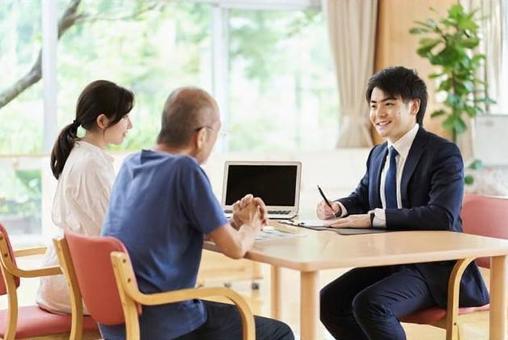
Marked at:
<point>481,215</point>
<point>30,321</point>
<point>103,273</point>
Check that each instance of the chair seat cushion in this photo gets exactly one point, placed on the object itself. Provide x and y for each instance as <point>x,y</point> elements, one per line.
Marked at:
<point>435,314</point>
<point>33,321</point>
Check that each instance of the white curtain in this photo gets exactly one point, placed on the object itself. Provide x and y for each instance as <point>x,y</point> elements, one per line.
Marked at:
<point>352,31</point>
<point>491,26</point>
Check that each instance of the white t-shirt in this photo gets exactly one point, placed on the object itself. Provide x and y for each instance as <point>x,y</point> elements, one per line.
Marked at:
<point>79,205</point>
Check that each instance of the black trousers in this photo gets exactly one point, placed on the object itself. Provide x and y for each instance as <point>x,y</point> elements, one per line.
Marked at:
<point>224,322</point>
<point>366,303</point>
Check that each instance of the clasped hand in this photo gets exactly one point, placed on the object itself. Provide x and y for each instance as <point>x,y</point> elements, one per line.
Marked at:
<point>249,210</point>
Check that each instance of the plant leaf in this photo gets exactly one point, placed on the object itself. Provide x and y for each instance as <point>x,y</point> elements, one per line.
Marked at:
<point>476,164</point>
<point>468,179</point>
<point>438,113</point>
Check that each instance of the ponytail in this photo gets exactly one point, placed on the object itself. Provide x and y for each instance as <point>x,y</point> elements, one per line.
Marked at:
<point>98,97</point>
<point>62,148</point>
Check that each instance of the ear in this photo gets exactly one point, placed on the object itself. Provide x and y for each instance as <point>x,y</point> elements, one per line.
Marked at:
<point>102,121</point>
<point>201,137</point>
<point>414,106</point>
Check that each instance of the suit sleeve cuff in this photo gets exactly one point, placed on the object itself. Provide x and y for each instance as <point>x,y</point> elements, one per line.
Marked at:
<point>379,220</point>
<point>343,210</point>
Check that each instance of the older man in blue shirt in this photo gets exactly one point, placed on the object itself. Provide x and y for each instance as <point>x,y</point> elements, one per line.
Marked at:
<point>162,207</point>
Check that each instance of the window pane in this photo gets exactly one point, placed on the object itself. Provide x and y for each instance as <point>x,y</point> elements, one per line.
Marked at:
<point>21,119</point>
<point>282,83</point>
<point>21,122</point>
<point>151,54</point>
<point>20,197</point>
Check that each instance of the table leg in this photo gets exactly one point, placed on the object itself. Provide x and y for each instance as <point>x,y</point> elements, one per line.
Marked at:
<point>276,297</point>
<point>309,305</point>
<point>498,296</point>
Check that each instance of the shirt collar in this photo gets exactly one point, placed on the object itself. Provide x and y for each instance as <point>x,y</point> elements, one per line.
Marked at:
<point>403,144</point>
<point>95,149</point>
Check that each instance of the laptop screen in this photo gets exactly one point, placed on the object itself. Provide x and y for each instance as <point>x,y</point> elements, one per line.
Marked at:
<point>277,183</point>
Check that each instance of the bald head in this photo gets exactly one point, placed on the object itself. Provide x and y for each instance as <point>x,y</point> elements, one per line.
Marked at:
<point>187,109</point>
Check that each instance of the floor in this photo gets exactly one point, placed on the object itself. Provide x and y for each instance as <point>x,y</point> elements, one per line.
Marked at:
<point>476,328</point>
<point>259,299</point>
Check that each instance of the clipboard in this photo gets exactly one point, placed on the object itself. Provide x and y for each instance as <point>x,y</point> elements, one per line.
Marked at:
<point>360,231</point>
<point>325,225</point>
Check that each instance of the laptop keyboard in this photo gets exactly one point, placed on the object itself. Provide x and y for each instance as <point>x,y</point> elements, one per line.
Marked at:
<point>279,212</point>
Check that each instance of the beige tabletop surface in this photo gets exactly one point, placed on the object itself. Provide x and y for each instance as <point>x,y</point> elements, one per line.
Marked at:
<point>317,250</point>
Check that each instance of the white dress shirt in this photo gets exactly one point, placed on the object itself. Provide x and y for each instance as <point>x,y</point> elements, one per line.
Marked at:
<point>79,205</point>
<point>402,145</point>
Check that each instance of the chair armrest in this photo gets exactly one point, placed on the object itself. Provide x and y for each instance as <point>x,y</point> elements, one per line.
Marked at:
<point>13,269</point>
<point>185,294</point>
<point>29,251</point>
<point>248,324</point>
<point>124,273</point>
<point>36,272</point>
<point>452,309</point>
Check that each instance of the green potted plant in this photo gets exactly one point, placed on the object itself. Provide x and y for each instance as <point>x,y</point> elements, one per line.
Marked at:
<point>450,44</point>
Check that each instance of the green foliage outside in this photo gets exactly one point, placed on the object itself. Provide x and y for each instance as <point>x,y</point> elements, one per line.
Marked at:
<point>451,43</point>
<point>161,50</point>
<point>282,92</point>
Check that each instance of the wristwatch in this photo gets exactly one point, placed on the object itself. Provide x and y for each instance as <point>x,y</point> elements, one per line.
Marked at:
<point>372,215</point>
<point>339,212</point>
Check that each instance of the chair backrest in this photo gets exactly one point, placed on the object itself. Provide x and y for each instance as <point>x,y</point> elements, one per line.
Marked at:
<point>486,216</point>
<point>7,255</point>
<point>91,261</point>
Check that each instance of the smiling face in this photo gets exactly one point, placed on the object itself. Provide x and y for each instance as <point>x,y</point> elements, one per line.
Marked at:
<point>391,116</point>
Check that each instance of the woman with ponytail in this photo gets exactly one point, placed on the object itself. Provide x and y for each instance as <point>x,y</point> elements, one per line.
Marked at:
<point>85,173</point>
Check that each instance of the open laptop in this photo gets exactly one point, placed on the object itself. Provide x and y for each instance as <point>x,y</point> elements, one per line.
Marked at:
<point>277,183</point>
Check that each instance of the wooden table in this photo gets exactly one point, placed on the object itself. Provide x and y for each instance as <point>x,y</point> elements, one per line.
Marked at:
<point>319,250</point>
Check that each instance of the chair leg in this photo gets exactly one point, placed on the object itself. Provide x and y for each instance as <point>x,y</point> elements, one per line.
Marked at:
<point>452,333</point>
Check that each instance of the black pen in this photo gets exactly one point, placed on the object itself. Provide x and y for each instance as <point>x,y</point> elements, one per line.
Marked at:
<point>324,198</point>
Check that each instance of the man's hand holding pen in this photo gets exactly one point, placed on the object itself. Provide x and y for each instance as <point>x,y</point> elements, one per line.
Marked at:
<point>328,210</point>
<point>325,211</point>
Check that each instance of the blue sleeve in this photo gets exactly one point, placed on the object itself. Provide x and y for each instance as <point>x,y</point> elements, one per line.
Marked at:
<point>358,201</point>
<point>199,202</point>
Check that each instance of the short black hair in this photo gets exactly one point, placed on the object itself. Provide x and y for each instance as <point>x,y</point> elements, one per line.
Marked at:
<point>400,81</point>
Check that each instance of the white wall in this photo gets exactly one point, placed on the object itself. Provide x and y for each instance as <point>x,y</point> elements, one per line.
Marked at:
<point>337,172</point>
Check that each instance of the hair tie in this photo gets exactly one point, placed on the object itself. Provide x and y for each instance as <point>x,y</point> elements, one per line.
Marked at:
<point>76,124</point>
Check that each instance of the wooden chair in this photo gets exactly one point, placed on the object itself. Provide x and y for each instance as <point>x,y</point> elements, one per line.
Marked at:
<point>106,281</point>
<point>481,215</point>
<point>29,321</point>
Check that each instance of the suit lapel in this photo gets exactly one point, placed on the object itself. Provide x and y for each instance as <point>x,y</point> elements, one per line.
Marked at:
<point>415,152</point>
<point>377,166</point>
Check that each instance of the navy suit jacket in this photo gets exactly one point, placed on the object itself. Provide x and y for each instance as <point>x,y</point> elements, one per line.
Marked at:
<point>432,188</point>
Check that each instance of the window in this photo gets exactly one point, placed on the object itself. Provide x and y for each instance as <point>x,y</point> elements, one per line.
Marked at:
<point>266,61</point>
<point>21,121</point>
<point>151,55</point>
<point>282,93</point>
<point>501,107</point>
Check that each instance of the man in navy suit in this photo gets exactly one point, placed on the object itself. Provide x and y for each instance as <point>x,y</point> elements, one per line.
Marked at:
<point>414,181</point>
